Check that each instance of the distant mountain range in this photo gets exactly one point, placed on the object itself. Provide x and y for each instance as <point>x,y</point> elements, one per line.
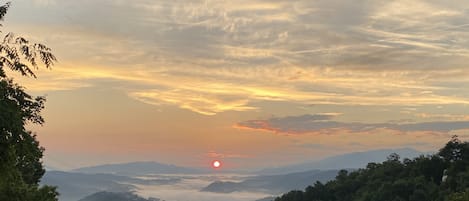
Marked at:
<point>299,176</point>
<point>139,168</point>
<point>116,196</point>
<point>273,184</point>
<point>73,186</point>
<point>346,161</point>
<point>354,160</point>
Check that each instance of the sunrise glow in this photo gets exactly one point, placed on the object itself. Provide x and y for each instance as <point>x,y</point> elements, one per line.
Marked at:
<point>216,164</point>
<point>232,100</point>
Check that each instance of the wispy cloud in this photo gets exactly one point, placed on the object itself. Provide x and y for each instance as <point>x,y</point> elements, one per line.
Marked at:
<point>213,154</point>
<point>214,56</point>
<point>323,124</point>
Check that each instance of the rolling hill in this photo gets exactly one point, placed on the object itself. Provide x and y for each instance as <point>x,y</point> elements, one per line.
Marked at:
<point>138,169</point>
<point>354,160</point>
<point>116,196</point>
<point>273,183</point>
<point>73,186</point>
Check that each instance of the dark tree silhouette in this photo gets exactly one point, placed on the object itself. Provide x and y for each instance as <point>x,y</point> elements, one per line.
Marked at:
<point>440,177</point>
<point>20,153</point>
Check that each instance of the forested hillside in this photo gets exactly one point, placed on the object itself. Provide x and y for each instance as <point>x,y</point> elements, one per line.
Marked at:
<point>440,177</point>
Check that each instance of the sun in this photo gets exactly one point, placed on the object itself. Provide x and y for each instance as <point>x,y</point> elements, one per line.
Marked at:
<point>216,164</point>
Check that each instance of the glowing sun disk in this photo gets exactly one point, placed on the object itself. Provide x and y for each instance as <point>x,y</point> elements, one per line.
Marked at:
<point>216,164</point>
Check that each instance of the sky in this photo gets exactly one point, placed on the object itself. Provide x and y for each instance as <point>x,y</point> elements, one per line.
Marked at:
<point>254,83</point>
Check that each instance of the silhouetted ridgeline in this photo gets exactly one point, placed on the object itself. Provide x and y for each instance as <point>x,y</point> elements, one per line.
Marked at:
<point>139,168</point>
<point>266,199</point>
<point>440,177</point>
<point>354,160</point>
<point>113,196</point>
<point>274,184</point>
<point>73,186</point>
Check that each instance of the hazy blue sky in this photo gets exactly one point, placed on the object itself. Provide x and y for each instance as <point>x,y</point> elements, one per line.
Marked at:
<point>251,82</point>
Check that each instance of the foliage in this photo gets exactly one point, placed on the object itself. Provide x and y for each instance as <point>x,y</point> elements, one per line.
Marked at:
<point>463,196</point>
<point>440,177</point>
<point>20,153</point>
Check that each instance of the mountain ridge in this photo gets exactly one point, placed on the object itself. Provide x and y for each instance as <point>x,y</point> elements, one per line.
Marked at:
<point>272,183</point>
<point>139,168</point>
<point>74,185</point>
<point>353,160</point>
<point>115,196</point>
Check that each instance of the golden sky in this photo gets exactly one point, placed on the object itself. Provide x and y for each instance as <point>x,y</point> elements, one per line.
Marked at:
<point>255,83</point>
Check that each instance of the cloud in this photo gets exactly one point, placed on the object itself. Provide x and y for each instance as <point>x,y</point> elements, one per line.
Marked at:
<point>453,117</point>
<point>323,124</point>
<point>213,154</point>
<point>212,56</point>
<point>200,102</point>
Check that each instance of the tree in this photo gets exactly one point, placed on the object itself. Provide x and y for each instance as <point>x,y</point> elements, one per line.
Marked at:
<point>452,151</point>
<point>20,153</point>
<point>440,177</point>
<point>464,196</point>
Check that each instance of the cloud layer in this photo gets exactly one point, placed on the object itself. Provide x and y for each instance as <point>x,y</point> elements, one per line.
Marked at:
<point>212,56</point>
<point>324,124</point>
